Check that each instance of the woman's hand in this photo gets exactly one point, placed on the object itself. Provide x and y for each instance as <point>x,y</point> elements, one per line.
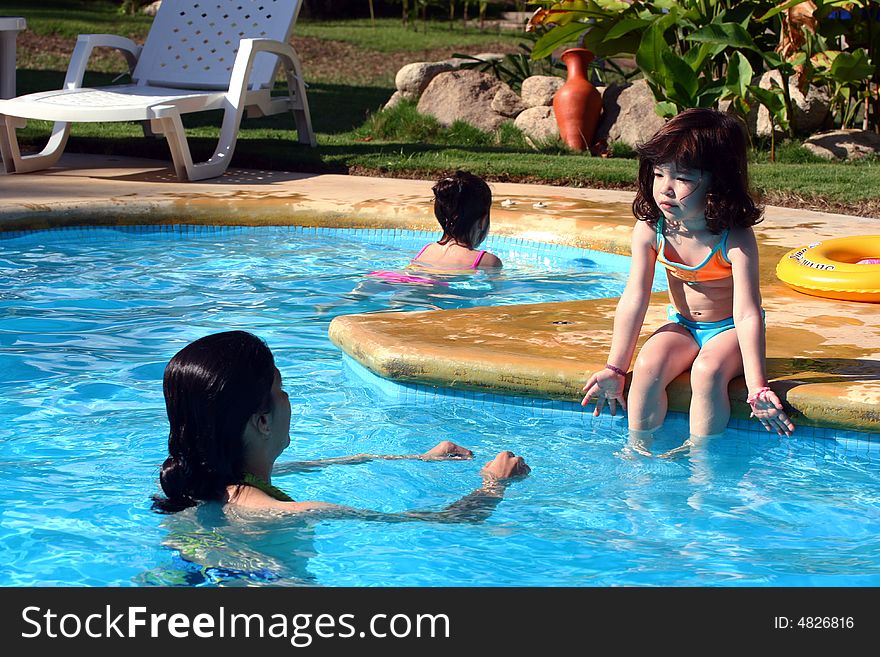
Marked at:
<point>767,408</point>
<point>506,465</point>
<point>447,450</point>
<point>605,386</point>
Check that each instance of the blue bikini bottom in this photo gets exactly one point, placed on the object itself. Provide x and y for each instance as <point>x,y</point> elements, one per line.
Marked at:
<point>702,331</point>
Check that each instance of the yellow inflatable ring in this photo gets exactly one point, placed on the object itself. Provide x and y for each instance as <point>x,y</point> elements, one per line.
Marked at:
<point>846,268</point>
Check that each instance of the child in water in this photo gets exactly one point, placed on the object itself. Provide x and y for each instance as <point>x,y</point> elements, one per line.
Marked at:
<point>461,205</point>
<point>695,218</point>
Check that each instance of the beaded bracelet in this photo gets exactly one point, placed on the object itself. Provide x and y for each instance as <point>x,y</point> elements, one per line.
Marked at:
<point>616,370</point>
<point>758,395</point>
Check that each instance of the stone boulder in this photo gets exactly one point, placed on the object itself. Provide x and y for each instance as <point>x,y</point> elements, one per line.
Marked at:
<point>458,62</point>
<point>412,79</point>
<point>506,102</point>
<point>538,90</point>
<point>464,95</point>
<point>152,8</point>
<point>628,114</point>
<point>844,144</point>
<point>810,110</point>
<point>538,124</point>
<point>394,101</point>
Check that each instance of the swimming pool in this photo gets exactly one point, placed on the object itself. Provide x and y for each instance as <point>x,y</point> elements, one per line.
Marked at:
<point>89,317</point>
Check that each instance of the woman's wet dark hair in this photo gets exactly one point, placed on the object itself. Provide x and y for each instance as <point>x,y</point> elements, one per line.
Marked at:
<point>460,201</point>
<point>710,141</point>
<point>212,387</point>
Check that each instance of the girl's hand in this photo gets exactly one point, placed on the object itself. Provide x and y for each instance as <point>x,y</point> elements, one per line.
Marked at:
<point>767,408</point>
<point>447,450</point>
<point>605,386</point>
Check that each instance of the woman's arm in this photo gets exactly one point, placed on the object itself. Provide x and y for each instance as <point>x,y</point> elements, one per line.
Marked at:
<point>443,451</point>
<point>606,384</point>
<point>749,321</point>
<point>474,507</point>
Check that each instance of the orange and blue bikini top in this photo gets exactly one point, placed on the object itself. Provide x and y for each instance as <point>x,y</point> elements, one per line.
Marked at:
<point>715,267</point>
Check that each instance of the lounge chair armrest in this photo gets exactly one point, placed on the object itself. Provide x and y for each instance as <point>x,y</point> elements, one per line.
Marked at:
<point>268,45</point>
<point>85,43</point>
<point>247,50</point>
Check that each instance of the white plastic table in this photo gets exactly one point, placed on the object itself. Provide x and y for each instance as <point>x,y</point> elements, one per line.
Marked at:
<point>9,29</point>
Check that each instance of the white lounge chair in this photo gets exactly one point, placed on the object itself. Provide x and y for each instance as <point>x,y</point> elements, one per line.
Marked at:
<point>199,55</point>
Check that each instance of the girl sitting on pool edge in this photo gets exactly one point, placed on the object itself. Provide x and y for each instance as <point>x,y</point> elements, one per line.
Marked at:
<point>462,203</point>
<point>230,420</point>
<point>695,218</point>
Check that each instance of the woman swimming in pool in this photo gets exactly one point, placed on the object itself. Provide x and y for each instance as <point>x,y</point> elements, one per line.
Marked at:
<point>695,218</point>
<point>230,420</point>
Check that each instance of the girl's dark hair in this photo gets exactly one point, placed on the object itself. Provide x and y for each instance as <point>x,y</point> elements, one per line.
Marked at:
<point>707,140</point>
<point>460,201</point>
<point>212,387</point>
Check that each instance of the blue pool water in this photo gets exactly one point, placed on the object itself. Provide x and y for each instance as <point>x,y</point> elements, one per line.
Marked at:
<point>89,317</point>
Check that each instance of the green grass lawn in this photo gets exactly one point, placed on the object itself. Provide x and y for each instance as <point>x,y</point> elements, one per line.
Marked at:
<point>354,136</point>
<point>68,18</point>
<point>389,34</point>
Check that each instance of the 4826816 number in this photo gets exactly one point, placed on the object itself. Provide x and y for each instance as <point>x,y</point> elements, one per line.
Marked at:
<point>825,622</point>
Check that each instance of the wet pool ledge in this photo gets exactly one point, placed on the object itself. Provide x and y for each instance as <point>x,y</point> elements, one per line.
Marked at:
<point>548,350</point>
<point>823,355</point>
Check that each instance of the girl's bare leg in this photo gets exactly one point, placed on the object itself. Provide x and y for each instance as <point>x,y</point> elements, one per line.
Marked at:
<point>666,354</point>
<point>717,364</point>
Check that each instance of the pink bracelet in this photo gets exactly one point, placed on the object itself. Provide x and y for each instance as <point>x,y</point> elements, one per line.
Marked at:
<point>616,370</point>
<point>759,395</point>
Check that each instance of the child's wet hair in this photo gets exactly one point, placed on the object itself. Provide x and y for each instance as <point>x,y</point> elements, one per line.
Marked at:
<point>706,140</point>
<point>461,200</point>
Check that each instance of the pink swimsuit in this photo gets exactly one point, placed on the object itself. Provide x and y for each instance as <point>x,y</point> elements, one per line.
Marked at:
<point>400,277</point>
<point>474,264</point>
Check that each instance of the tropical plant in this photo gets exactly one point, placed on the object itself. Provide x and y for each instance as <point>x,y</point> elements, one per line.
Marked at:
<point>844,55</point>
<point>694,53</point>
<point>513,68</point>
<point>682,47</point>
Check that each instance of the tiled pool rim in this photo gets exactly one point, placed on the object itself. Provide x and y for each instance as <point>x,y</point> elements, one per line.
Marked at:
<point>364,234</point>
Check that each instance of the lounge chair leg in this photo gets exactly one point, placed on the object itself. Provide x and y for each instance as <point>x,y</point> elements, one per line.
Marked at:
<point>217,164</point>
<point>299,104</point>
<point>304,132</point>
<point>172,127</point>
<point>14,161</point>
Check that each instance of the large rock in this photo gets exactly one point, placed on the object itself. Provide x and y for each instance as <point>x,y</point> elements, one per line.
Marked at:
<point>844,144</point>
<point>458,62</point>
<point>538,90</point>
<point>628,114</point>
<point>152,8</point>
<point>412,79</point>
<point>465,95</point>
<point>507,102</point>
<point>538,124</point>
<point>810,110</point>
<point>394,101</point>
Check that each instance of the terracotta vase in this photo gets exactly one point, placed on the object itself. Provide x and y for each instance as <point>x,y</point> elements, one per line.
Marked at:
<point>578,103</point>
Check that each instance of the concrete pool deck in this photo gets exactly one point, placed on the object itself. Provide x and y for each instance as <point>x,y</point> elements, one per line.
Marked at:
<point>823,356</point>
